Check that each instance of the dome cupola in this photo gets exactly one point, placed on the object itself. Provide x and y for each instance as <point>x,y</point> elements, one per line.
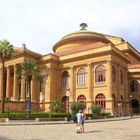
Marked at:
<point>78,39</point>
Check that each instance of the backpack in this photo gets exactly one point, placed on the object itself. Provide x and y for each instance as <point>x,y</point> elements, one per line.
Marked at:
<point>75,119</point>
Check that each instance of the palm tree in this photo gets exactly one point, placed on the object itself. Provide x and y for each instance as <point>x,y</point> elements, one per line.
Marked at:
<point>6,52</point>
<point>29,70</point>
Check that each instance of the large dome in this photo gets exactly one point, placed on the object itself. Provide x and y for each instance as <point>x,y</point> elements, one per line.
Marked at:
<point>78,39</point>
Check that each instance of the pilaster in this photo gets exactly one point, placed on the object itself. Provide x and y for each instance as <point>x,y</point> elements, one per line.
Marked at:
<point>109,86</point>
<point>72,97</point>
<point>89,82</point>
<point>109,78</point>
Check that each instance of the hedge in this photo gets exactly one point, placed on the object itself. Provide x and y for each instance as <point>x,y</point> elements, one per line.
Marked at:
<point>33,115</point>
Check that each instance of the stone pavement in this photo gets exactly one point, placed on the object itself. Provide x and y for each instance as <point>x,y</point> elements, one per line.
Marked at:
<point>123,128</point>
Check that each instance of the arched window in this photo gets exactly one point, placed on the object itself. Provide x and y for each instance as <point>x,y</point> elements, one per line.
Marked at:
<point>121,77</point>
<point>100,73</point>
<point>100,100</point>
<point>81,98</point>
<point>134,86</point>
<point>113,74</point>
<point>81,77</point>
<point>64,79</point>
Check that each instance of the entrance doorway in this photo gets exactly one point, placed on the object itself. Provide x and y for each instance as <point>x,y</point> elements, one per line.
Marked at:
<point>65,101</point>
<point>135,106</point>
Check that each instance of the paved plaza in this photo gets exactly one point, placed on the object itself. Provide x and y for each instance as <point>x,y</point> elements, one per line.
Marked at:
<point>110,130</point>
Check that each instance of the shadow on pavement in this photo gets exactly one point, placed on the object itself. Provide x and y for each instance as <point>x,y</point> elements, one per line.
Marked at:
<point>93,131</point>
<point>4,138</point>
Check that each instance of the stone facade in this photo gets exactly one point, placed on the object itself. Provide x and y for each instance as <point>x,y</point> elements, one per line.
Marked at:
<point>86,66</point>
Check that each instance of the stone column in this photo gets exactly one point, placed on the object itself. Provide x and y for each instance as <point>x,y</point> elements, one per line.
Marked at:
<point>8,81</point>
<point>37,91</point>
<point>89,77</point>
<point>23,89</point>
<point>118,81</point>
<point>15,90</point>
<point>33,99</point>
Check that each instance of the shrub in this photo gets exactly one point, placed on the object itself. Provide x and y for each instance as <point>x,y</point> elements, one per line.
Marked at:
<point>76,106</point>
<point>56,106</point>
<point>96,110</point>
<point>58,115</point>
<point>33,115</point>
<point>106,114</point>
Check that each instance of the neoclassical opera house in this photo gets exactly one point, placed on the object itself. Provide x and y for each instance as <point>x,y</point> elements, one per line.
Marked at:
<point>86,66</point>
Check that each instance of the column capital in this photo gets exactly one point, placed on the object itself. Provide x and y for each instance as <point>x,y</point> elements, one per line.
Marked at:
<point>7,67</point>
<point>15,68</point>
<point>89,64</point>
<point>72,66</point>
<point>109,61</point>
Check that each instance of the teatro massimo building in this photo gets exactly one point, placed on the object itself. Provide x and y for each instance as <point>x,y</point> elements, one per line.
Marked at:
<point>86,66</point>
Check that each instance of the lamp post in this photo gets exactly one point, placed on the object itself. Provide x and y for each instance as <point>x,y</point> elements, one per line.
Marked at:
<point>130,104</point>
<point>119,104</point>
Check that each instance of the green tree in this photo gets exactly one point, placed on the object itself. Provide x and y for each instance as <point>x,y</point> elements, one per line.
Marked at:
<point>76,106</point>
<point>6,52</point>
<point>29,70</point>
<point>56,106</point>
<point>96,110</point>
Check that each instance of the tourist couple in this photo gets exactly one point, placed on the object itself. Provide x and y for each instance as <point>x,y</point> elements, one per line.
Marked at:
<point>80,122</point>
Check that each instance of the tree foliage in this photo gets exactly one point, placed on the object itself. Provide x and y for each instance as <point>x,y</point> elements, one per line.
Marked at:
<point>56,106</point>
<point>96,110</point>
<point>76,106</point>
<point>29,68</point>
<point>6,52</point>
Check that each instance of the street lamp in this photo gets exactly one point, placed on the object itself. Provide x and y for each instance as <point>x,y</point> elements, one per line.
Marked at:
<point>130,104</point>
<point>119,104</point>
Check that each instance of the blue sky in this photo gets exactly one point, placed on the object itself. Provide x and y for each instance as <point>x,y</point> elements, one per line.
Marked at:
<point>41,23</point>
